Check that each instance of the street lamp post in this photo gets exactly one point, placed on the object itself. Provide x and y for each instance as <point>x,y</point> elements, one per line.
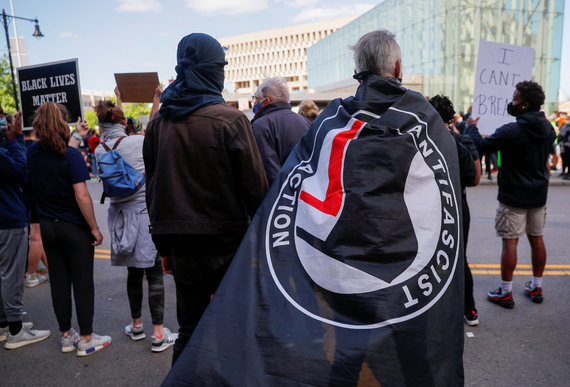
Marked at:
<point>37,33</point>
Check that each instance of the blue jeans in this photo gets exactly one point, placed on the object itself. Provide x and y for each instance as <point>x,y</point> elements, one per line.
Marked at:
<point>94,170</point>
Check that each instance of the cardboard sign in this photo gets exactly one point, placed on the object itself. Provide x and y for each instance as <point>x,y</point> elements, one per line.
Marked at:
<point>50,82</point>
<point>500,67</point>
<point>137,87</point>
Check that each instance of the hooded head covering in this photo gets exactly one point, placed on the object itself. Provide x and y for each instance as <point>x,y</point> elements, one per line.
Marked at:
<point>199,77</point>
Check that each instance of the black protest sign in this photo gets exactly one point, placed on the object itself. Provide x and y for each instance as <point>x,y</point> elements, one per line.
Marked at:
<point>50,82</point>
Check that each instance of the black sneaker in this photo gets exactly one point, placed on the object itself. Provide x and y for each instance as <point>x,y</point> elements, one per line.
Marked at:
<point>535,294</point>
<point>472,318</point>
<point>504,300</point>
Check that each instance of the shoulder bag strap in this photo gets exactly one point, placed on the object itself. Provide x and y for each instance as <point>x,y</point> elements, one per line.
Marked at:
<point>118,141</point>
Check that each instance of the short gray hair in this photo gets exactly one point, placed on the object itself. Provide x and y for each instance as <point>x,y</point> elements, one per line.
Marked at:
<point>378,52</point>
<point>274,88</point>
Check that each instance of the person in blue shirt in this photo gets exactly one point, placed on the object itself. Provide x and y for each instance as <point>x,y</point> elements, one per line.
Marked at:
<point>14,219</point>
<point>68,227</point>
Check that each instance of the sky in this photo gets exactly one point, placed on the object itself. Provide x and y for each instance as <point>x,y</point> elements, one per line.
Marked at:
<point>121,36</point>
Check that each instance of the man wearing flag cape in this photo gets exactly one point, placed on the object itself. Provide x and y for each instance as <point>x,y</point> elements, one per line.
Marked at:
<point>351,271</point>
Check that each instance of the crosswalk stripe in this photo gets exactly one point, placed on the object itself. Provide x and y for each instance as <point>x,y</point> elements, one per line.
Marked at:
<point>520,272</point>
<point>476,268</point>
<point>497,266</point>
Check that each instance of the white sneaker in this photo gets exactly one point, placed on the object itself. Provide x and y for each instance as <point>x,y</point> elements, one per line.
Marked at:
<point>69,344</point>
<point>167,341</point>
<point>25,337</point>
<point>96,343</point>
<point>135,333</point>
<point>34,279</point>
<point>4,331</point>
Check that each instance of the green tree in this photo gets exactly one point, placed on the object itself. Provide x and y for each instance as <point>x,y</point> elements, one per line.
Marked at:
<point>134,109</point>
<point>6,86</point>
<point>91,118</point>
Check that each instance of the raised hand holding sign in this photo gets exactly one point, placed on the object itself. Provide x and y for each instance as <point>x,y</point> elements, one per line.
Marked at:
<point>500,67</point>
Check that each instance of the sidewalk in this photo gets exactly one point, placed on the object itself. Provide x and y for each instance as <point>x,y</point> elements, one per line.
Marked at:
<point>555,179</point>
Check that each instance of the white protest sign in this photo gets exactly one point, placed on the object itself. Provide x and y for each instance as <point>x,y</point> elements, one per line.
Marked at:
<point>143,120</point>
<point>500,67</point>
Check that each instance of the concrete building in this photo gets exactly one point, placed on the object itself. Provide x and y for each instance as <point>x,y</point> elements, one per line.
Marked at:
<point>90,97</point>
<point>564,106</point>
<point>440,41</point>
<point>280,52</point>
<point>19,51</point>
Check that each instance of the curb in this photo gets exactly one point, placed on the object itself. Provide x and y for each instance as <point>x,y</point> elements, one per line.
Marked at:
<point>555,181</point>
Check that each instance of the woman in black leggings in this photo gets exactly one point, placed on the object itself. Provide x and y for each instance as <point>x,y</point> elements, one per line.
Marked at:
<point>68,226</point>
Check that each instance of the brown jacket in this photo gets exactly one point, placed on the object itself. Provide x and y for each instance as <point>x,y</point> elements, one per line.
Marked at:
<point>204,174</point>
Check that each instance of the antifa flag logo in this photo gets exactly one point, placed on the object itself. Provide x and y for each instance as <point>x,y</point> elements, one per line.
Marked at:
<point>350,271</point>
<point>368,223</point>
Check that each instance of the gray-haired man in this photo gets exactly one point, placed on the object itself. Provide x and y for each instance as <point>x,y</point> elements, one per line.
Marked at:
<point>275,127</point>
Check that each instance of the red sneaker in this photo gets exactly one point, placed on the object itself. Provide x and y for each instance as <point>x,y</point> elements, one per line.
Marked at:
<point>504,300</point>
<point>535,294</point>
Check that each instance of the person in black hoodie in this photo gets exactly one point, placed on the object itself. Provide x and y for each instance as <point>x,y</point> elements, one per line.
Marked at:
<point>204,179</point>
<point>523,186</point>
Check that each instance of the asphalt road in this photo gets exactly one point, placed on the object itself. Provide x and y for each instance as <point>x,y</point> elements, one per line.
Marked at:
<point>525,346</point>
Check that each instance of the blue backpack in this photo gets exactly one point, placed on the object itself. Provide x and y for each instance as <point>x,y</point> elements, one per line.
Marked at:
<point>119,178</point>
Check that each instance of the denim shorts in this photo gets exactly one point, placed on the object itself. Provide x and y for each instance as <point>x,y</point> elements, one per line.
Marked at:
<point>512,223</point>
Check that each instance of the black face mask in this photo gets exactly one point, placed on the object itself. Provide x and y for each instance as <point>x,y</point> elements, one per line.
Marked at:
<point>513,110</point>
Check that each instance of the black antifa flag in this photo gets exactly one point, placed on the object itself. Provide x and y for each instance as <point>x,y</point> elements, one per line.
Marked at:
<point>352,270</point>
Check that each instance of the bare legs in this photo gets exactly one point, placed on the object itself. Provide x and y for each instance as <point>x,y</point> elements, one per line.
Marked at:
<point>538,254</point>
<point>36,251</point>
<point>509,257</point>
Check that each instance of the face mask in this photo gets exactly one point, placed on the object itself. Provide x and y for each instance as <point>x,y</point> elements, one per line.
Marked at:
<point>257,107</point>
<point>514,110</point>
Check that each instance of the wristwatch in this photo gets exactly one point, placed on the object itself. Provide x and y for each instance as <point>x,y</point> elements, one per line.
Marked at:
<point>76,136</point>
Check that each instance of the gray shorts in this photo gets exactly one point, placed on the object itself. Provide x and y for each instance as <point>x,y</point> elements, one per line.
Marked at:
<point>512,223</point>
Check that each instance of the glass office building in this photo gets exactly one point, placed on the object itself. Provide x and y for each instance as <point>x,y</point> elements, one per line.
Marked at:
<point>440,39</point>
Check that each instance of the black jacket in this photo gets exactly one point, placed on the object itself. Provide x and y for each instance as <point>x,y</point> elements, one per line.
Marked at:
<point>204,174</point>
<point>524,145</point>
<point>277,130</point>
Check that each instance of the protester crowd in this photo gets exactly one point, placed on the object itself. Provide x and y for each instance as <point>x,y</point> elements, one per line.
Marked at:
<point>204,171</point>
